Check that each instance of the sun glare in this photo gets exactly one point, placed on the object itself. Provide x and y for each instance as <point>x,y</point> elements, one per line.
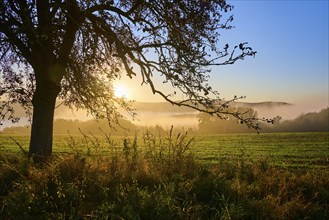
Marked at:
<point>121,91</point>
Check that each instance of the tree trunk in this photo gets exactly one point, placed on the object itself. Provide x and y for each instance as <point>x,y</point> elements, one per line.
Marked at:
<point>44,101</point>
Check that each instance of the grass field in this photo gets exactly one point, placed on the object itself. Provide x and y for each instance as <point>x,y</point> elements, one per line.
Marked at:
<point>309,150</point>
<point>282,149</point>
<point>245,176</point>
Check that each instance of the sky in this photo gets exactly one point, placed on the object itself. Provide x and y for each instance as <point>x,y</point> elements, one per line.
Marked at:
<point>291,65</point>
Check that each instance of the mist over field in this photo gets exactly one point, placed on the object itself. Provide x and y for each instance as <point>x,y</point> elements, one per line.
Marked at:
<point>165,115</point>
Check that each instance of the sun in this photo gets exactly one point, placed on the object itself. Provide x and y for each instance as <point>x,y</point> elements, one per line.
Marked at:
<point>121,91</point>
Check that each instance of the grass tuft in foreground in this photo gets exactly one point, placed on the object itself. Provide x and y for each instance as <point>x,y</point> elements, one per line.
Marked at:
<point>156,178</point>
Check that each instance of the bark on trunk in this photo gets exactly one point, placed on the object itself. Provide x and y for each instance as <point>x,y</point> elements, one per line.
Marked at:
<point>44,101</point>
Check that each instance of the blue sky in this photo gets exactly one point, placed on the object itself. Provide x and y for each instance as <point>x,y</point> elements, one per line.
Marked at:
<point>291,38</point>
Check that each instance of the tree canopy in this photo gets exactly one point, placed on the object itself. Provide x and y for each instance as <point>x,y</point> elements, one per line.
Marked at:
<point>74,50</point>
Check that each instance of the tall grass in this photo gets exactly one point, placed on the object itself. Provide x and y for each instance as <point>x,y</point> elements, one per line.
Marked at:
<point>154,177</point>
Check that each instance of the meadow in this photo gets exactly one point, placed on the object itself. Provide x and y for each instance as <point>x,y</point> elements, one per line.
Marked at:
<point>168,176</point>
<point>294,149</point>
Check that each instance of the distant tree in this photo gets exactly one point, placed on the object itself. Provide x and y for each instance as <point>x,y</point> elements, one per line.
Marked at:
<point>277,119</point>
<point>73,50</point>
<point>232,124</point>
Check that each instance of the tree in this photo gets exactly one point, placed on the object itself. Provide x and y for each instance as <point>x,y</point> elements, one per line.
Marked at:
<point>72,50</point>
<point>209,124</point>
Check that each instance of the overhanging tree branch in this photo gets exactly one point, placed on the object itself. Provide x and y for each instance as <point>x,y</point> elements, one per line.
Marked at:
<point>74,50</point>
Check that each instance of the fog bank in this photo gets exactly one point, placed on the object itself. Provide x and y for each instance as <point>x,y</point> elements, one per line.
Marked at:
<point>165,115</point>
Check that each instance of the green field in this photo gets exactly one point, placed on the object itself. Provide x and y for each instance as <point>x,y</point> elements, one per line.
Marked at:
<point>280,149</point>
<point>283,149</point>
<point>237,176</point>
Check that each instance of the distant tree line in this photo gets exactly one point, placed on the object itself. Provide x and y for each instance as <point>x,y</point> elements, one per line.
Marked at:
<point>313,121</point>
<point>95,127</point>
<point>308,122</point>
<point>65,126</point>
